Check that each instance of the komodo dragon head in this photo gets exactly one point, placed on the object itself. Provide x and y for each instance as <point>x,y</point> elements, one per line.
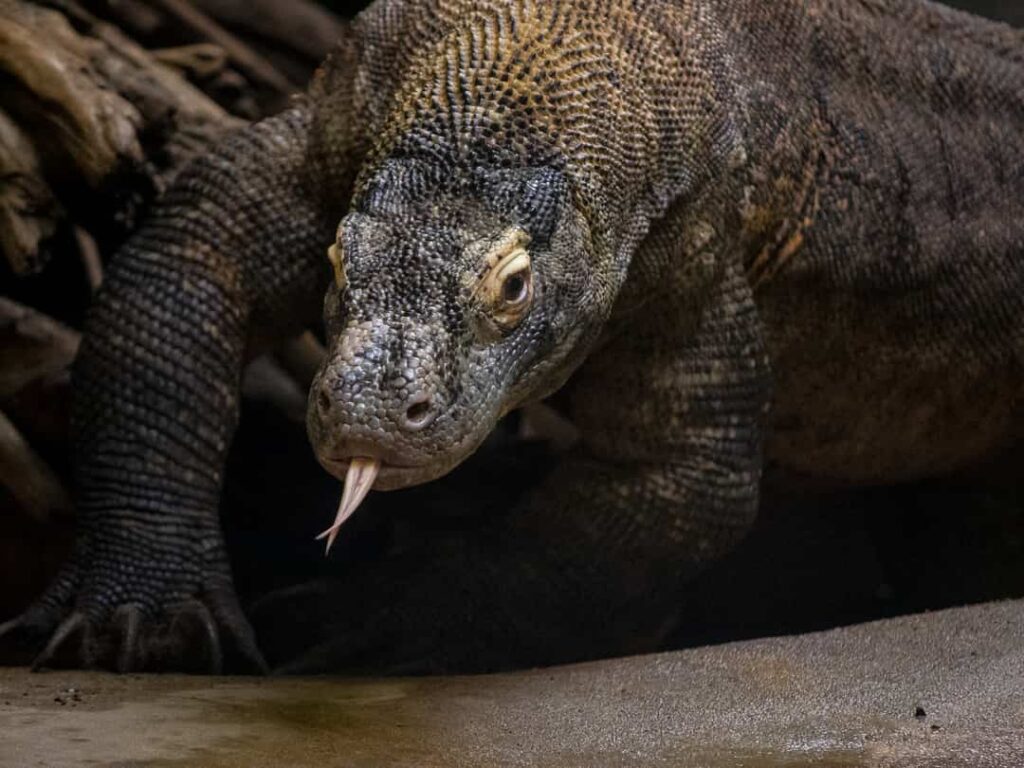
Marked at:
<point>511,172</point>
<point>457,297</point>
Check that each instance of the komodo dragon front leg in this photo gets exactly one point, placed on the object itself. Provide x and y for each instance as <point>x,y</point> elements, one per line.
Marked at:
<point>156,402</point>
<point>592,562</point>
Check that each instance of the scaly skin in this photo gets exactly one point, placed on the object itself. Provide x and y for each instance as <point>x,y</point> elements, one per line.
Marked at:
<point>211,276</point>
<point>719,200</point>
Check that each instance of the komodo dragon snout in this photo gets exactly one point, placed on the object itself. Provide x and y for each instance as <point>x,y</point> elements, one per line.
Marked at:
<point>453,301</point>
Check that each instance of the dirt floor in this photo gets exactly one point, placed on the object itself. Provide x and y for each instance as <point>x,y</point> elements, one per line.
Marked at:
<point>938,690</point>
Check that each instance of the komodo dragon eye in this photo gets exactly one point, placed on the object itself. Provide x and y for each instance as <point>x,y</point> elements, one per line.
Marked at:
<point>337,258</point>
<point>506,288</point>
<point>516,288</point>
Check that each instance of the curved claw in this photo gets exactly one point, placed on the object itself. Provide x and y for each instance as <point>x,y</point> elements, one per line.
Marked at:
<point>197,610</point>
<point>9,626</point>
<point>68,627</point>
<point>229,615</point>
<point>38,619</point>
<point>89,649</point>
<point>129,617</point>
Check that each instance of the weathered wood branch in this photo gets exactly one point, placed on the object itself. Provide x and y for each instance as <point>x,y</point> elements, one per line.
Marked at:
<point>300,26</point>
<point>86,110</point>
<point>28,209</point>
<point>32,346</point>
<point>239,52</point>
<point>29,479</point>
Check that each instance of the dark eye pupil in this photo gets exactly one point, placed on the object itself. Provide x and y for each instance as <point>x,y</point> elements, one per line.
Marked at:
<point>515,287</point>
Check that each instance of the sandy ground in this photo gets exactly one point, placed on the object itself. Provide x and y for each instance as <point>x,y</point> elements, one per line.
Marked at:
<point>942,690</point>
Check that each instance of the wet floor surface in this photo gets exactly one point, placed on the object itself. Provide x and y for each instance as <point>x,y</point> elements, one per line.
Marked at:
<point>944,689</point>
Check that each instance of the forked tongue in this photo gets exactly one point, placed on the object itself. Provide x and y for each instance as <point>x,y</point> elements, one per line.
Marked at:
<point>358,481</point>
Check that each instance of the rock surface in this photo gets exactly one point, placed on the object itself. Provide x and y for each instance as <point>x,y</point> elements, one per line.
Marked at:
<point>944,689</point>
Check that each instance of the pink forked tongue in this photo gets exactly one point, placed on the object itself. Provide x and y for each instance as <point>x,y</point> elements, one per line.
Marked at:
<point>358,481</point>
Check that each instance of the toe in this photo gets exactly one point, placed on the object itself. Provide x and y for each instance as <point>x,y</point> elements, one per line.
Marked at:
<point>231,619</point>
<point>129,621</point>
<point>71,625</point>
<point>193,615</point>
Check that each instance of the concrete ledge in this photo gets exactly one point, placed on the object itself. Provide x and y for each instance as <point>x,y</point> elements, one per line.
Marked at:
<point>944,689</point>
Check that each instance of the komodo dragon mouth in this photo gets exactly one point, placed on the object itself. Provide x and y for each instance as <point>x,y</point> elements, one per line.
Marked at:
<point>358,481</point>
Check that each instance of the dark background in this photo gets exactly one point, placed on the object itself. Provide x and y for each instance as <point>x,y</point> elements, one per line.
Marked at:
<point>1006,10</point>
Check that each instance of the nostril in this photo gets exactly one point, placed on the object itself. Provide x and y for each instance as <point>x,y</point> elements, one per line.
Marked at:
<point>419,413</point>
<point>323,402</point>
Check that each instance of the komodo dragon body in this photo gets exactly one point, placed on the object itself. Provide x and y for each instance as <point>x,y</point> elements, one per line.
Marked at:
<point>729,231</point>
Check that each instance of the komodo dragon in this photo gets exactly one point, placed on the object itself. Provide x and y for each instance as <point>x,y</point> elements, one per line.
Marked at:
<point>729,231</point>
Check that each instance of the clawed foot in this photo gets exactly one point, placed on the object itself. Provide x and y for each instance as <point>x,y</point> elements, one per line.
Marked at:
<point>78,627</point>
